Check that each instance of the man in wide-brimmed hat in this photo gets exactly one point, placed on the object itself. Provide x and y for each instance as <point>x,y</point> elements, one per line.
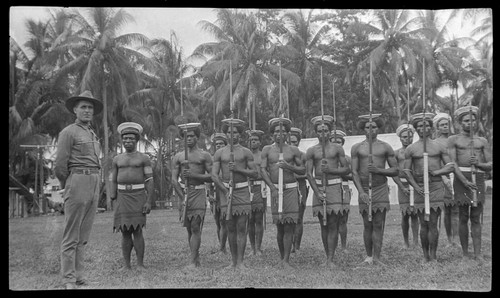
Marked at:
<point>131,184</point>
<point>443,126</point>
<point>257,190</point>
<point>362,167</point>
<point>242,168</point>
<point>338,136</point>
<point>193,178</point>
<point>333,165</point>
<point>459,147</point>
<point>414,169</point>
<point>77,167</point>
<point>285,208</point>
<point>405,132</point>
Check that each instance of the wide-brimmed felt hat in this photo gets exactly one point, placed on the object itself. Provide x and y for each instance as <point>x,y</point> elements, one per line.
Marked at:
<point>403,127</point>
<point>465,111</point>
<point>86,95</point>
<point>129,127</point>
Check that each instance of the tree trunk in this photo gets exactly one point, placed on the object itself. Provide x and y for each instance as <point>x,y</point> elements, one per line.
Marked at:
<point>106,145</point>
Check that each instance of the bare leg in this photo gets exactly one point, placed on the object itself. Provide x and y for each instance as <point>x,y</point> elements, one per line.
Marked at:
<point>367,234</point>
<point>343,229</point>
<point>454,223</point>
<point>324,232</point>
<point>232,239</point>
<point>139,247</point>
<point>299,228</point>
<point>195,240</point>
<point>332,236</point>
<point>378,222</point>
<point>127,245</point>
<point>475,217</point>
<point>433,233</point>
<point>424,230</point>
<point>280,232</point>
<point>463,228</point>
<point>414,228</point>
<point>251,231</point>
<point>241,239</point>
<point>405,226</point>
<point>289,229</point>
<point>259,231</point>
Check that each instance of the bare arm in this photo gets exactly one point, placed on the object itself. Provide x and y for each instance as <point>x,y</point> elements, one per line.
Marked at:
<point>148,181</point>
<point>112,179</point>
<point>175,177</point>
<point>263,169</point>
<point>354,169</point>
<point>407,169</point>
<point>215,172</point>
<point>309,171</point>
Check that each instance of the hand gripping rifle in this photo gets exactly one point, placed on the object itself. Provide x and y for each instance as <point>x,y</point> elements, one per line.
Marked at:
<point>229,212</point>
<point>370,158</point>
<point>280,170</point>
<point>323,154</point>
<point>426,155</point>
<point>472,167</point>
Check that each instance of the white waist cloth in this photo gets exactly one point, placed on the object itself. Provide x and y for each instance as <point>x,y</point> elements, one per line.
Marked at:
<point>201,186</point>
<point>288,185</point>
<point>468,169</point>
<point>403,179</point>
<point>237,185</point>
<point>130,186</point>
<point>346,183</point>
<point>330,182</point>
<point>257,182</point>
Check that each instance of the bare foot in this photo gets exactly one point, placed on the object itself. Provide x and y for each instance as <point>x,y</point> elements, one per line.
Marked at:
<point>125,268</point>
<point>286,266</point>
<point>230,267</point>
<point>259,252</point>
<point>189,268</point>
<point>331,265</point>
<point>141,267</point>
<point>241,267</point>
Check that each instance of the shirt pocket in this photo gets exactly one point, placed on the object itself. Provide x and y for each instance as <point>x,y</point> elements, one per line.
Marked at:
<point>85,146</point>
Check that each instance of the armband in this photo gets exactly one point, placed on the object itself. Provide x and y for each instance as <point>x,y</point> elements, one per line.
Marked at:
<point>450,163</point>
<point>407,170</point>
<point>148,179</point>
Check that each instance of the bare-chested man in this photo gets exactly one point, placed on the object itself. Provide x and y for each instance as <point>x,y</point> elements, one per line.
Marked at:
<point>131,185</point>
<point>257,190</point>
<point>219,141</point>
<point>334,165</point>
<point>382,153</point>
<point>338,136</point>
<point>197,173</point>
<point>443,127</point>
<point>414,170</point>
<point>294,139</point>
<point>459,147</point>
<point>286,214</point>
<point>242,168</point>
<point>405,133</point>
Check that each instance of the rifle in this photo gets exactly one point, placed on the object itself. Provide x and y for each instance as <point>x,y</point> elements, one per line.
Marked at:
<point>472,167</point>
<point>426,155</point>
<point>280,170</point>
<point>229,212</point>
<point>323,155</point>
<point>186,166</point>
<point>412,193</point>
<point>335,137</point>
<point>370,158</point>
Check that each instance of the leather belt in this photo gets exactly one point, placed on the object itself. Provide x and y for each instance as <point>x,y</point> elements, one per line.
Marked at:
<point>288,185</point>
<point>330,181</point>
<point>130,186</point>
<point>468,169</point>
<point>199,186</point>
<point>237,185</point>
<point>85,171</point>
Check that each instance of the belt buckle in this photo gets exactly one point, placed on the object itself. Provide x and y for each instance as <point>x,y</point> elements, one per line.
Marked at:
<point>86,171</point>
<point>128,186</point>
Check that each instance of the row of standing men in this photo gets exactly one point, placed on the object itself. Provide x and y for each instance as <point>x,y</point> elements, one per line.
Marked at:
<point>240,175</point>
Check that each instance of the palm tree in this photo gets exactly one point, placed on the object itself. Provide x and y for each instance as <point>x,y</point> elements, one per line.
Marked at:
<point>102,63</point>
<point>302,53</point>
<point>395,49</point>
<point>242,45</point>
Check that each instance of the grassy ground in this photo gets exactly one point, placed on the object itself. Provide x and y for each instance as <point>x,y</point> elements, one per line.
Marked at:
<point>34,258</point>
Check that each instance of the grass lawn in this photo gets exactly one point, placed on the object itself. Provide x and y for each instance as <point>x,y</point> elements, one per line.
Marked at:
<point>34,262</point>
